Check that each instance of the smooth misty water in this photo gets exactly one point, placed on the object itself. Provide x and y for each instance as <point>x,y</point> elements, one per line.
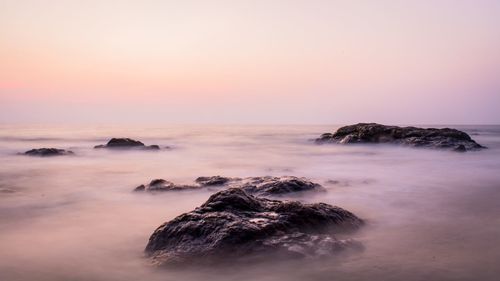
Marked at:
<point>432,215</point>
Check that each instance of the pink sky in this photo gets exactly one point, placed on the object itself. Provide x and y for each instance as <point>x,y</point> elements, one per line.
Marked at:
<point>421,62</point>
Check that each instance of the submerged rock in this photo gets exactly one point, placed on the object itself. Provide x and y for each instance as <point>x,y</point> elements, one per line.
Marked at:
<point>234,225</point>
<point>125,143</point>
<point>44,152</point>
<point>262,186</point>
<point>164,185</point>
<point>411,136</point>
<point>6,190</point>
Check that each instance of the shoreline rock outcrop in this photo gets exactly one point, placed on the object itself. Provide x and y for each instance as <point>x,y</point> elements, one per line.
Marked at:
<point>261,186</point>
<point>48,152</point>
<point>365,133</point>
<point>233,225</point>
<point>126,143</point>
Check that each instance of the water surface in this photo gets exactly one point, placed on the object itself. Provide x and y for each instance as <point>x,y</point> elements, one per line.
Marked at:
<point>431,215</point>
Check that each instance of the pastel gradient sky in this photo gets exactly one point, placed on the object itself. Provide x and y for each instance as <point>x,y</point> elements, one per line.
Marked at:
<point>397,62</point>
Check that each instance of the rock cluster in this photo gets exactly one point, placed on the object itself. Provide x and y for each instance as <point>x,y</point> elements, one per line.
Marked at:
<point>262,186</point>
<point>114,143</point>
<point>234,225</point>
<point>446,138</point>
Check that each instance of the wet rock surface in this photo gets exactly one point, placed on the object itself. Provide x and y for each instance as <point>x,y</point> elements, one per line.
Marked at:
<point>446,138</point>
<point>47,152</point>
<point>262,186</point>
<point>126,143</point>
<point>278,185</point>
<point>214,180</point>
<point>233,225</point>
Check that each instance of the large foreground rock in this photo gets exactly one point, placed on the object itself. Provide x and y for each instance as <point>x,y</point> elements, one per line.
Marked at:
<point>234,225</point>
<point>411,136</point>
<point>262,186</point>
<point>126,143</point>
<point>45,152</point>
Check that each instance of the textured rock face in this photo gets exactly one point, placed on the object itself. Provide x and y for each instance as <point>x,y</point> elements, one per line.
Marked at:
<point>262,186</point>
<point>411,136</point>
<point>278,185</point>
<point>124,143</point>
<point>45,152</point>
<point>213,180</point>
<point>234,225</point>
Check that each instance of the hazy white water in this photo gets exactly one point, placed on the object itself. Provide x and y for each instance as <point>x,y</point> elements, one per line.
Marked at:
<point>432,215</point>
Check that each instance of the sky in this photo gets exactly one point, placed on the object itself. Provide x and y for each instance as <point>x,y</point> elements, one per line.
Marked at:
<point>250,62</point>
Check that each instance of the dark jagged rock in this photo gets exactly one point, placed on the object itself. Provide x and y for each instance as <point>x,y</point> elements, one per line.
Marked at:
<point>164,185</point>
<point>446,138</point>
<point>233,225</point>
<point>262,186</point>
<point>213,180</point>
<point>141,187</point>
<point>119,142</point>
<point>279,185</point>
<point>126,143</point>
<point>45,152</point>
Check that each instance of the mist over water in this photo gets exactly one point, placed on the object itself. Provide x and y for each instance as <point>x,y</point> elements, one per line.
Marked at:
<point>431,215</point>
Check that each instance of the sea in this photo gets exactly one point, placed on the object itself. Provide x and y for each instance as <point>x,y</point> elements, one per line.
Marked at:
<point>430,214</point>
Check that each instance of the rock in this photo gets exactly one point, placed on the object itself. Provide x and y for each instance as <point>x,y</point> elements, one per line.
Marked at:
<point>121,142</point>
<point>279,185</point>
<point>233,225</point>
<point>44,152</point>
<point>126,143</point>
<point>164,185</point>
<point>262,186</point>
<point>213,180</point>
<point>141,187</point>
<point>446,138</point>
